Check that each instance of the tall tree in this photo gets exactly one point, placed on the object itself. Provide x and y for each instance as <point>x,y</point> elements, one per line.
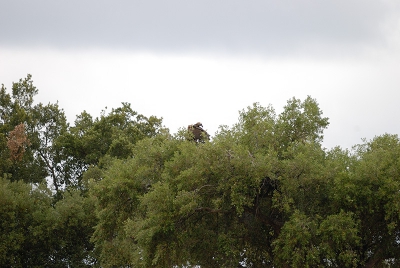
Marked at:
<point>59,152</point>
<point>18,108</point>
<point>263,193</point>
<point>221,203</point>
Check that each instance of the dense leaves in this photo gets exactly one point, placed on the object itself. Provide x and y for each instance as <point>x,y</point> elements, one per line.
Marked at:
<point>38,146</point>
<point>127,193</point>
<point>263,193</point>
<point>37,233</point>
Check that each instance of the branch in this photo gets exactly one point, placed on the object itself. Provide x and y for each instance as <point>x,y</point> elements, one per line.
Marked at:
<point>206,185</point>
<point>51,168</point>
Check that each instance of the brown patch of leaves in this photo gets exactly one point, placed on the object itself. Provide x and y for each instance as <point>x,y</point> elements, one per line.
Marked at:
<point>17,141</point>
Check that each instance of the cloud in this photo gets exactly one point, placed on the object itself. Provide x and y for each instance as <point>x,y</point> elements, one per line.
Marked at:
<point>253,27</point>
<point>359,97</point>
<point>190,61</point>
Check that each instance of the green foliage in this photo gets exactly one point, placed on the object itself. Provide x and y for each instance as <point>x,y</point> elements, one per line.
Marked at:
<point>17,218</point>
<point>44,124</point>
<point>301,121</point>
<point>72,226</point>
<point>118,197</point>
<point>39,227</point>
<point>34,233</point>
<point>59,151</point>
<point>113,134</point>
<point>17,108</point>
<point>262,193</point>
<point>316,242</point>
<point>213,204</point>
<point>371,192</point>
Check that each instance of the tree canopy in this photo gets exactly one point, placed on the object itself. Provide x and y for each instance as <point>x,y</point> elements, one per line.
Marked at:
<point>128,193</point>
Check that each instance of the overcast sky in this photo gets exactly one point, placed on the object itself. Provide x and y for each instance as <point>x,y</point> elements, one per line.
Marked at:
<point>189,61</point>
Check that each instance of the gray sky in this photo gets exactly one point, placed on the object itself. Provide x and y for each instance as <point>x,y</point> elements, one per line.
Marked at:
<point>189,61</point>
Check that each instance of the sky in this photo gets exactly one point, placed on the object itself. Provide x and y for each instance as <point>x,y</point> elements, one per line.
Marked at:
<point>188,61</point>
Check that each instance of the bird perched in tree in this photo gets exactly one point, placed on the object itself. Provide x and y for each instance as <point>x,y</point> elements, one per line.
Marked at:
<point>198,134</point>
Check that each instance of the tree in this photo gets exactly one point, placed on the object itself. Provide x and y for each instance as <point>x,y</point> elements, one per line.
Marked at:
<point>118,192</point>
<point>371,191</point>
<point>113,134</point>
<point>262,193</point>
<point>17,109</point>
<point>215,204</point>
<point>35,232</point>
<point>41,228</point>
<point>56,150</point>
